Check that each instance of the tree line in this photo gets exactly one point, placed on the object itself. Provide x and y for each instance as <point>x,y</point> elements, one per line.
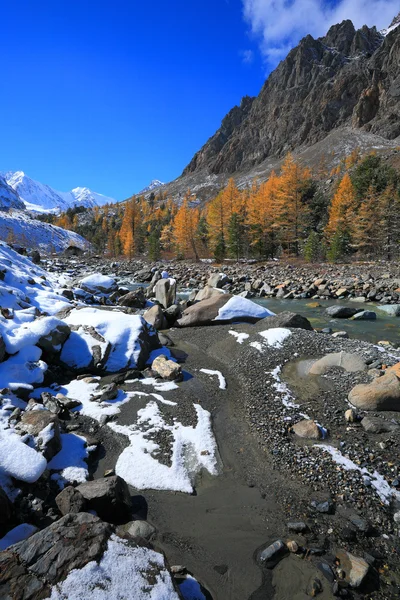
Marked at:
<point>287,215</point>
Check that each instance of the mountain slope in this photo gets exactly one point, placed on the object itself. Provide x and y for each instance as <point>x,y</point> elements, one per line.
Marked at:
<point>39,197</point>
<point>9,197</point>
<point>347,80</point>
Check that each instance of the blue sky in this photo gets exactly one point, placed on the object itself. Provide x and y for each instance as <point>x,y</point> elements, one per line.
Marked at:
<point>110,94</point>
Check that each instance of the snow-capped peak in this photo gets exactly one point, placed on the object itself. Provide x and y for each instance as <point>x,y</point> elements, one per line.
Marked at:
<point>393,25</point>
<point>155,183</point>
<point>39,197</point>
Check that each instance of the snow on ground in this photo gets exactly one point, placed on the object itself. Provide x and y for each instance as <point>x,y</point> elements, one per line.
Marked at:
<point>240,337</point>
<point>71,460</point>
<point>276,336</point>
<point>193,448</point>
<point>160,386</point>
<point>23,369</point>
<point>375,480</point>
<point>19,461</point>
<point>285,394</point>
<point>120,329</point>
<point>19,533</point>
<point>221,378</point>
<point>123,573</point>
<point>77,352</point>
<point>258,346</point>
<point>238,307</point>
<point>35,234</point>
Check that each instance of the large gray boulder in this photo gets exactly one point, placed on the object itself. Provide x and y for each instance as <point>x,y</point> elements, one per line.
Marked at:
<point>207,292</point>
<point>155,317</point>
<point>29,569</point>
<point>134,299</point>
<point>98,284</point>
<point>165,292</point>
<point>45,427</point>
<point>109,497</point>
<point>223,308</point>
<point>286,319</point>
<point>341,312</point>
<point>70,500</point>
<point>391,310</point>
<point>218,280</point>
<point>382,393</point>
<point>52,343</point>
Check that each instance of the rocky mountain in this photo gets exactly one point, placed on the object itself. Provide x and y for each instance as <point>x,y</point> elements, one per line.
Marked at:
<point>153,185</point>
<point>38,197</point>
<point>9,197</point>
<point>343,88</point>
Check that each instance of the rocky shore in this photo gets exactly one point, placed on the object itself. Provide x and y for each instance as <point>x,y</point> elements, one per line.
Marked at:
<point>260,459</point>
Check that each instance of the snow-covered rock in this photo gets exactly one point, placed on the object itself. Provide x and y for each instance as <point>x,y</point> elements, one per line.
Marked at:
<point>9,197</point>
<point>98,283</point>
<point>41,198</point>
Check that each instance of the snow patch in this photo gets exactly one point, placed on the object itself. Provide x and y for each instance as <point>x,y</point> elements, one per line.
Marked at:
<point>221,378</point>
<point>240,337</point>
<point>276,336</point>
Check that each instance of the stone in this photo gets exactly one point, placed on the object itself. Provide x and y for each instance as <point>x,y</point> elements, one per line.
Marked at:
<point>207,292</point>
<point>326,571</point>
<point>134,299</point>
<point>50,403</point>
<point>340,334</point>
<point>70,500</point>
<point>341,312</point>
<point>68,294</point>
<point>166,369</point>
<point>391,310</point>
<point>297,526</point>
<point>155,317</point>
<point>109,497</point>
<point>292,546</point>
<point>377,425</point>
<point>273,552</point>
<point>218,280</point>
<point>395,369</point>
<point>172,313</point>
<point>107,392</point>
<point>349,362</point>
<point>364,315</point>
<point>6,511</point>
<point>31,567</point>
<point>135,529</point>
<point>207,312</point>
<point>98,283</point>
<point>383,393</point>
<point>165,292</point>
<point>35,257</point>
<point>325,507</point>
<point>287,319</point>
<point>314,587</point>
<point>341,292</point>
<point>307,429</point>
<point>355,568</point>
<point>67,403</point>
<point>350,416</point>
<point>34,422</point>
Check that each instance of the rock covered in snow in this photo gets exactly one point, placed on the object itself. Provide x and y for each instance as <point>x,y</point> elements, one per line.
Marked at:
<point>45,427</point>
<point>98,284</point>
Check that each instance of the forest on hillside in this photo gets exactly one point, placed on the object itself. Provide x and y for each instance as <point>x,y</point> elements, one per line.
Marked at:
<point>291,214</point>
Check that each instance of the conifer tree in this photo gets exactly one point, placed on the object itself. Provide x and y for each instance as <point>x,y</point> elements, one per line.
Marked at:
<point>342,215</point>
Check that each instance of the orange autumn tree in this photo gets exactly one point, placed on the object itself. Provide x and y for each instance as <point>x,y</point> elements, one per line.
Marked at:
<point>184,230</point>
<point>127,231</point>
<point>290,208</point>
<point>262,216</point>
<point>223,216</point>
<point>339,230</point>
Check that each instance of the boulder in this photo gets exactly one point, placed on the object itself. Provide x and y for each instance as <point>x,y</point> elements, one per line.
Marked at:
<point>307,429</point>
<point>165,292</point>
<point>166,369</point>
<point>52,343</point>
<point>29,569</point>
<point>355,568</point>
<point>349,362</point>
<point>35,257</point>
<point>134,299</point>
<point>286,319</point>
<point>70,500</point>
<point>391,310</point>
<point>382,393</point>
<point>135,529</point>
<point>2,349</point>
<point>98,284</point>
<point>341,312</point>
<point>45,427</point>
<point>106,392</point>
<point>173,313</point>
<point>207,292</point>
<point>377,425</point>
<point>273,553</point>
<point>364,315</point>
<point>155,317</point>
<point>109,497</point>
<point>224,308</point>
<point>217,280</point>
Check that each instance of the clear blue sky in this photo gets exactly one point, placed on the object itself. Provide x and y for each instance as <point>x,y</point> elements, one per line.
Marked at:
<point>110,94</point>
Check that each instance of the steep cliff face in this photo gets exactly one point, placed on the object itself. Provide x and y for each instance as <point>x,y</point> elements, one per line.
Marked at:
<point>347,79</point>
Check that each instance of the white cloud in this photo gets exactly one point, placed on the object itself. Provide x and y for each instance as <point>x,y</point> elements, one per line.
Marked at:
<point>280,24</point>
<point>247,56</point>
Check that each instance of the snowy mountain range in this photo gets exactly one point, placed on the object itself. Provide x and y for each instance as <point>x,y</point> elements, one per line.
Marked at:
<point>41,198</point>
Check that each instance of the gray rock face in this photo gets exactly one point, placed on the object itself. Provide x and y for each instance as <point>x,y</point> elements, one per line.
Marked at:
<point>287,319</point>
<point>377,425</point>
<point>29,569</point>
<point>165,291</point>
<point>70,500</point>
<point>299,105</point>
<point>109,497</point>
